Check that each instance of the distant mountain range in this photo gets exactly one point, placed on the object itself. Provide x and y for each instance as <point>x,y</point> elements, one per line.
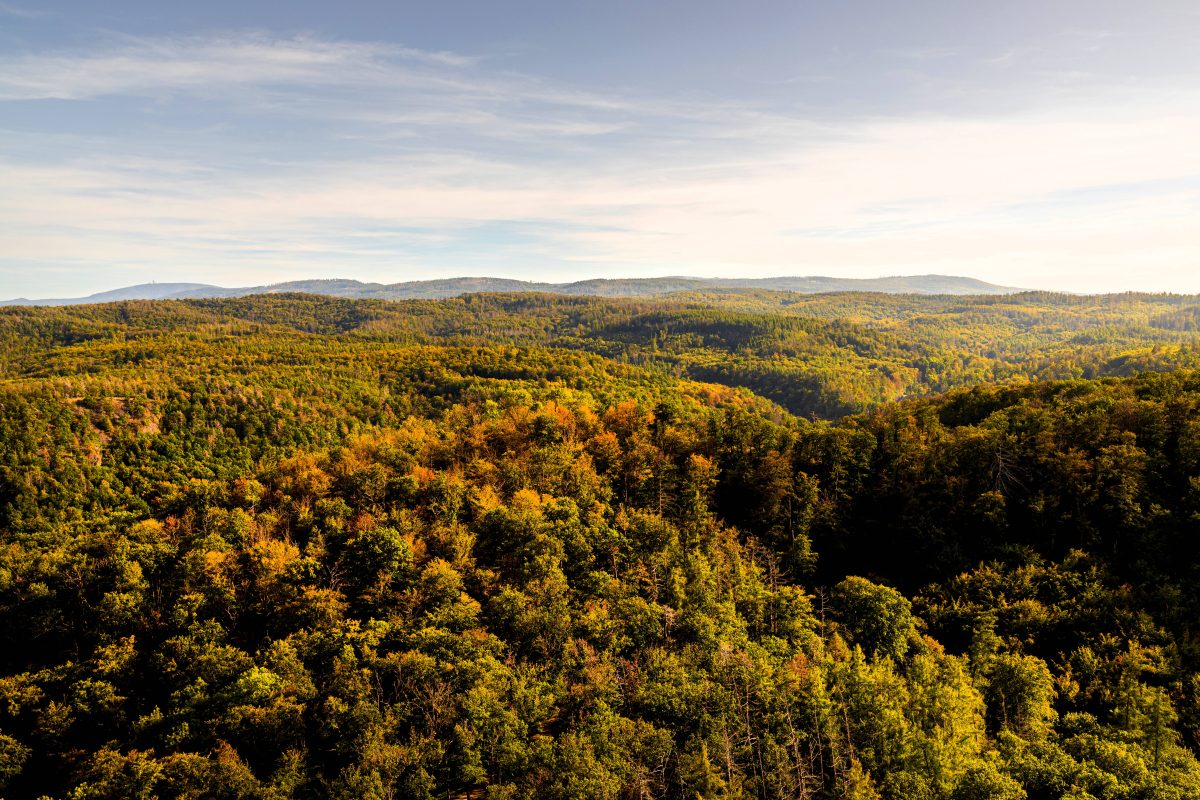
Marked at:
<point>600,287</point>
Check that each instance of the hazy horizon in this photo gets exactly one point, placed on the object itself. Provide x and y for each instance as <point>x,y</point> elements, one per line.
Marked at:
<point>181,289</point>
<point>1047,145</point>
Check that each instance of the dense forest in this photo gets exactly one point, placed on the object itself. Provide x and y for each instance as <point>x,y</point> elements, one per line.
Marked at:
<point>722,545</point>
<point>819,356</point>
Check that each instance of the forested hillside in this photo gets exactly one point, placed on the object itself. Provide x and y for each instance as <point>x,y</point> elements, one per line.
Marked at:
<point>520,546</point>
<point>817,355</point>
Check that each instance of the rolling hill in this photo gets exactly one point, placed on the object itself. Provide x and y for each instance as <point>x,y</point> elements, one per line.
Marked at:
<point>599,287</point>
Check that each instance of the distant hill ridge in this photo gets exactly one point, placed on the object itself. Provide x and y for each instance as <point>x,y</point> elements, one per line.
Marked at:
<point>600,287</point>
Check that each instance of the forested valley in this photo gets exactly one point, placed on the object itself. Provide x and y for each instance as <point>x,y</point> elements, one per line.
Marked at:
<point>737,544</point>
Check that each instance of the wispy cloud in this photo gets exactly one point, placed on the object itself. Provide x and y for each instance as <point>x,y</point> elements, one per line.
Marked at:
<point>368,159</point>
<point>144,65</point>
<point>23,13</point>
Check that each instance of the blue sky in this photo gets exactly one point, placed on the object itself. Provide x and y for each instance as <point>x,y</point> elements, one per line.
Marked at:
<point>1042,144</point>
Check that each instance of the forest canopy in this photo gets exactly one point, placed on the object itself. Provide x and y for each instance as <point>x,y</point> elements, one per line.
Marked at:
<point>734,545</point>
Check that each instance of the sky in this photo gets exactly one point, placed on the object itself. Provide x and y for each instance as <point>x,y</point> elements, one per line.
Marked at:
<point>1051,144</point>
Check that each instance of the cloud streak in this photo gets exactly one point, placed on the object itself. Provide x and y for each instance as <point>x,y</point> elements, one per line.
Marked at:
<point>22,13</point>
<point>147,65</point>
